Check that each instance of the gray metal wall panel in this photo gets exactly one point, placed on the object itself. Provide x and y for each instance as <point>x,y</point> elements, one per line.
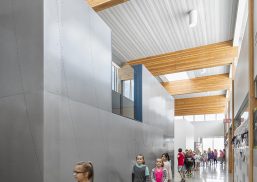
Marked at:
<point>75,131</point>
<point>21,90</point>
<point>77,53</point>
<point>18,156</point>
<point>9,70</point>
<point>158,104</point>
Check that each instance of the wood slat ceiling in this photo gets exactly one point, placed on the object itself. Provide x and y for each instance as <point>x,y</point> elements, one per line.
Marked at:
<point>212,55</point>
<point>199,84</point>
<point>99,5</point>
<point>200,105</point>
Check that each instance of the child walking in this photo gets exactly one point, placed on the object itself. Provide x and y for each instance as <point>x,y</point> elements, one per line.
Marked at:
<point>159,173</point>
<point>140,172</point>
<point>181,159</point>
<point>167,165</point>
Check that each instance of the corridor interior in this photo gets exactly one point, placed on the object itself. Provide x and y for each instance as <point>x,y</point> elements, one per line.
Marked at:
<point>106,81</point>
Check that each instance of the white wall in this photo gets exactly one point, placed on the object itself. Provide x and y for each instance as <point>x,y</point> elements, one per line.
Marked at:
<point>206,129</point>
<point>186,133</point>
<point>184,137</point>
<point>241,77</point>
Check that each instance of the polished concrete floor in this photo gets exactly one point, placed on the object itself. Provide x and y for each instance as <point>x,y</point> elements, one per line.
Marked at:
<point>214,173</point>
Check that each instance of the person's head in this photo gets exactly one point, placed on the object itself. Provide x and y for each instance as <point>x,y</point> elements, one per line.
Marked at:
<point>159,163</point>
<point>140,159</point>
<point>83,171</point>
<point>165,157</point>
<point>180,150</point>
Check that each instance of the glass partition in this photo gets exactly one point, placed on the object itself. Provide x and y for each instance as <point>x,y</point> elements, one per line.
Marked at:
<point>123,91</point>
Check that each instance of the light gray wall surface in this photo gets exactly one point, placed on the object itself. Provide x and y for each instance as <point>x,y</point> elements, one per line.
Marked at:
<point>21,90</point>
<point>241,83</point>
<point>183,130</point>
<point>78,123</point>
<point>75,131</point>
<point>77,53</point>
<point>158,104</point>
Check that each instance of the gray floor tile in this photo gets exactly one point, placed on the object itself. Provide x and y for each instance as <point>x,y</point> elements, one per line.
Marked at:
<point>214,173</point>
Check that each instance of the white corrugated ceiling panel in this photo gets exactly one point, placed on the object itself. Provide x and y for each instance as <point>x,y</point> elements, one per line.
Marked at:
<point>142,28</point>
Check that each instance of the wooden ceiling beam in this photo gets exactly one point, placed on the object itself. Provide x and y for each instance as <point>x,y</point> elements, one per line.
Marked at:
<point>126,72</point>
<point>99,5</point>
<point>212,55</point>
<point>200,105</point>
<point>199,84</point>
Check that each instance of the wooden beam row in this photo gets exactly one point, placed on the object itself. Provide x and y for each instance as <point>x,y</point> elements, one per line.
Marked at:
<point>218,54</point>
<point>200,105</point>
<point>126,72</point>
<point>99,5</point>
<point>199,84</point>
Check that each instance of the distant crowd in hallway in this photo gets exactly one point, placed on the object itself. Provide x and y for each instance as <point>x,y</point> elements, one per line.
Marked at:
<point>189,160</point>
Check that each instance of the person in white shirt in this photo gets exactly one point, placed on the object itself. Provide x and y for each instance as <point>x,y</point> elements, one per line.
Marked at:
<point>167,165</point>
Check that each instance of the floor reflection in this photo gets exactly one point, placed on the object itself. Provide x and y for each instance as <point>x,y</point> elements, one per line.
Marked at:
<point>213,173</point>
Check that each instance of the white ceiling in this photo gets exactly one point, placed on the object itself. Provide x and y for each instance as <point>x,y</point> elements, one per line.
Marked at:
<point>142,28</point>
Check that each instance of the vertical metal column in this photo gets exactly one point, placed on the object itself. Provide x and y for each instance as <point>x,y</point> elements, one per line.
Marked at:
<point>138,92</point>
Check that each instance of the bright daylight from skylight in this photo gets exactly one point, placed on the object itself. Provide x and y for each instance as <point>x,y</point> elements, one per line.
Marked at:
<point>177,76</point>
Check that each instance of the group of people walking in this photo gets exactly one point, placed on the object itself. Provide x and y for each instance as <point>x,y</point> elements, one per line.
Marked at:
<point>188,161</point>
<point>212,157</point>
<point>160,173</point>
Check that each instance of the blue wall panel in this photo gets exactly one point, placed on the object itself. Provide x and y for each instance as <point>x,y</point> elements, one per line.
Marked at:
<point>138,110</point>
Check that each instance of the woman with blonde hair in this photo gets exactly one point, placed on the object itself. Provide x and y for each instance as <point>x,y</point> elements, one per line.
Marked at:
<point>84,172</point>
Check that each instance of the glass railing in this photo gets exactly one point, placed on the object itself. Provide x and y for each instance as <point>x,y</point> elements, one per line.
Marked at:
<point>122,105</point>
<point>123,95</point>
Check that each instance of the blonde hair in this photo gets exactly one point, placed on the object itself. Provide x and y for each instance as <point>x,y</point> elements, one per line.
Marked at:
<point>88,168</point>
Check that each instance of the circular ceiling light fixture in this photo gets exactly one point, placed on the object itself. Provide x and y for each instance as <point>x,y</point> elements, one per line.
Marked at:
<point>192,18</point>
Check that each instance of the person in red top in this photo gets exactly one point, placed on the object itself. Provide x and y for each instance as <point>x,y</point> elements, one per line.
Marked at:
<point>181,159</point>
